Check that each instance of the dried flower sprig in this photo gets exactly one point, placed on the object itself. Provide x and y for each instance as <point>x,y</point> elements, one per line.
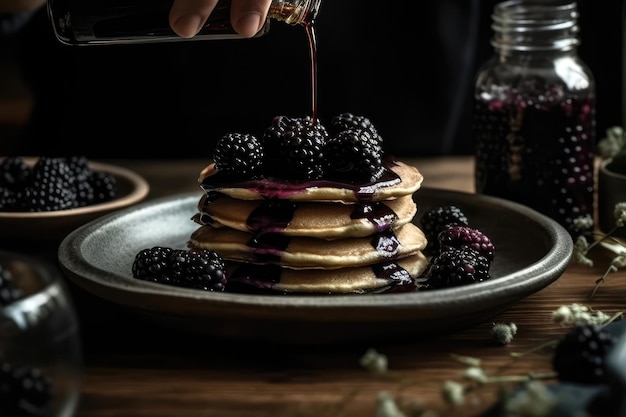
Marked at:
<point>613,144</point>
<point>582,246</point>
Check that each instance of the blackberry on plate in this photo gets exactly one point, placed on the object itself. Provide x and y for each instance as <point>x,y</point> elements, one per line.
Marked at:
<point>152,264</point>
<point>303,151</point>
<point>461,237</point>
<point>580,355</point>
<point>238,154</point>
<point>456,267</point>
<point>201,269</point>
<point>352,154</point>
<point>435,220</point>
<point>9,292</point>
<point>25,391</point>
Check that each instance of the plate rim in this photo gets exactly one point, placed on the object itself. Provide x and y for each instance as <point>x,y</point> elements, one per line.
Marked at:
<point>521,283</point>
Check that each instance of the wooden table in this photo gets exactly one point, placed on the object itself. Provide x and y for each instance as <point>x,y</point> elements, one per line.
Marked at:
<point>138,369</point>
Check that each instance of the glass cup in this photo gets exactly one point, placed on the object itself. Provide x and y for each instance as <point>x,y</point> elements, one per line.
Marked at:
<point>40,348</point>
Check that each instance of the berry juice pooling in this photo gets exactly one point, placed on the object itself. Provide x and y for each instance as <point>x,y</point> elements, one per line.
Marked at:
<point>534,115</point>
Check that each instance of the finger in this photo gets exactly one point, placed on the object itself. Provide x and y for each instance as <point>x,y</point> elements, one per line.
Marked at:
<point>188,16</point>
<point>248,16</point>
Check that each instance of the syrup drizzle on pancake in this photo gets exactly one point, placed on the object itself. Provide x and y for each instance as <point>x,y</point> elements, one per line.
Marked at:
<point>283,189</point>
<point>261,279</point>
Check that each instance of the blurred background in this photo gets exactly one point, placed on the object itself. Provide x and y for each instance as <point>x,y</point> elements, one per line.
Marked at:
<point>409,66</point>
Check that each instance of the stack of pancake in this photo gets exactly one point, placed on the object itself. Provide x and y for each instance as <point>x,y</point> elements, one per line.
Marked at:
<point>315,237</point>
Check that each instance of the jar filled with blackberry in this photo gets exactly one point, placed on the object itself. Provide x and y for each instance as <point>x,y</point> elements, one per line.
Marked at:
<point>97,22</point>
<point>534,112</point>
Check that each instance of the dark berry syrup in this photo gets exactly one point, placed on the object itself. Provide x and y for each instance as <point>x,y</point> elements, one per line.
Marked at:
<point>310,31</point>
<point>537,151</point>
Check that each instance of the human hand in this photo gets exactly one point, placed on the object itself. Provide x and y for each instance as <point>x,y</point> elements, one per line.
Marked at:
<point>247,16</point>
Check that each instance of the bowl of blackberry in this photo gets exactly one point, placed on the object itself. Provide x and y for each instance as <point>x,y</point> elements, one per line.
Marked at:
<point>44,198</point>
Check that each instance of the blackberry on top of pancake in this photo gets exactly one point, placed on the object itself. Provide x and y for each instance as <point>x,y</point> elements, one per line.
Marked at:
<point>299,160</point>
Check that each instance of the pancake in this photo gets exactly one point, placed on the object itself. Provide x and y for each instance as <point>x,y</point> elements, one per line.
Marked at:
<point>398,179</point>
<point>309,252</point>
<point>394,275</point>
<point>320,220</point>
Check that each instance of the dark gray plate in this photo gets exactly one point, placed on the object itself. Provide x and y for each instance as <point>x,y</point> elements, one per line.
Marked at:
<point>532,251</point>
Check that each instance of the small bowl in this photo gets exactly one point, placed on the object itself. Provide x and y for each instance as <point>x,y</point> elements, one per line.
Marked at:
<point>50,227</point>
<point>611,190</point>
<point>39,341</point>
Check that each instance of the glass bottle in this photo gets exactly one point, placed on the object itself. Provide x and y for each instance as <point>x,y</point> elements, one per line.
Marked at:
<point>96,22</point>
<point>534,112</point>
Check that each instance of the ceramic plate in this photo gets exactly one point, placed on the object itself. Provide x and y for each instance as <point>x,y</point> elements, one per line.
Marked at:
<point>532,251</point>
<point>19,228</point>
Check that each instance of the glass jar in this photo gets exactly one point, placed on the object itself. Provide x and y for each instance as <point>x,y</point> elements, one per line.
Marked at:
<point>534,112</point>
<point>95,22</point>
<point>41,358</point>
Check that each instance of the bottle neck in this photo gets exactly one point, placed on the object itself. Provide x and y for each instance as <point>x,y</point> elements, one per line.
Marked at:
<point>293,12</point>
<point>535,26</point>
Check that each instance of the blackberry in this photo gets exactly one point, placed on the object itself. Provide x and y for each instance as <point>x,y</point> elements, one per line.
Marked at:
<point>8,291</point>
<point>238,154</point>
<point>347,121</point>
<point>152,264</point>
<point>25,391</point>
<point>79,165</point>
<point>456,267</point>
<point>580,355</point>
<point>50,187</point>
<point>273,138</point>
<point>461,237</point>
<point>303,151</point>
<point>201,269</point>
<point>103,186</point>
<point>352,154</point>
<point>8,200</point>
<point>14,173</point>
<point>436,220</point>
<point>273,135</point>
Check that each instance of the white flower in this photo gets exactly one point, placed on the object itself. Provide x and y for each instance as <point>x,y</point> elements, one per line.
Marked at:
<point>583,223</point>
<point>613,143</point>
<point>453,392</point>
<point>619,261</point>
<point>620,214</point>
<point>503,333</point>
<point>387,407</point>
<point>374,361</point>
<point>577,314</point>
<point>475,373</point>
<point>579,254</point>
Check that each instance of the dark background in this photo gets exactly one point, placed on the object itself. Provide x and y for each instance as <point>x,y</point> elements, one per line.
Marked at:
<point>409,66</point>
